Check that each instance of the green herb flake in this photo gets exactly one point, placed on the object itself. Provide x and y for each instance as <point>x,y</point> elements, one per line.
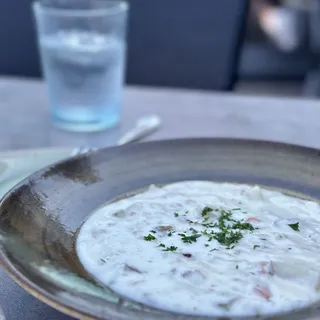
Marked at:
<point>224,217</point>
<point>243,226</point>
<point>205,211</point>
<point>225,230</point>
<point>189,239</point>
<point>228,238</point>
<point>149,237</point>
<point>256,246</point>
<point>171,248</point>
<point>209,225</point>
<point>294,226</point>
<point>207,233</point>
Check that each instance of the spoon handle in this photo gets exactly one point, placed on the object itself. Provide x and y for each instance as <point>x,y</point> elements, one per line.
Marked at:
<point>143,128</point>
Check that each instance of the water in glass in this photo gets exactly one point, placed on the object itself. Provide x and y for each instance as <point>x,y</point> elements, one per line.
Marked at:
<point>84,73</point>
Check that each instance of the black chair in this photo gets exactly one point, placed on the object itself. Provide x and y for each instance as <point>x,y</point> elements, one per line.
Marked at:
<point>18,54</point>
<point>173,43</point>
<point>185,43</point>
<point>312,80</point>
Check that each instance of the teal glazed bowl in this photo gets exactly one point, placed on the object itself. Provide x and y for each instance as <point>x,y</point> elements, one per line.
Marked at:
<point>40,217</point>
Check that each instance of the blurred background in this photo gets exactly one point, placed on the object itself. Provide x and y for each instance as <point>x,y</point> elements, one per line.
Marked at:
<point>254,47</point>
<point>281,48</point>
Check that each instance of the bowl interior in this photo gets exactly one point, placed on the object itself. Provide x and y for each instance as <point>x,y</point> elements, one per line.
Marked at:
<point>39,218</point>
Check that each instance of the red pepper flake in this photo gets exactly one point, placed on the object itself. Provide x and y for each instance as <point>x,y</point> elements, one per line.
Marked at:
<point>263,292</point>
<point>187,255</point>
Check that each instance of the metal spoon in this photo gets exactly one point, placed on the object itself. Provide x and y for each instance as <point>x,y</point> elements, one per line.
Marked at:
<point>143,127</point>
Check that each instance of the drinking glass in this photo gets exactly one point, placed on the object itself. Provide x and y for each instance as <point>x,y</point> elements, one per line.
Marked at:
<point>82,46</point>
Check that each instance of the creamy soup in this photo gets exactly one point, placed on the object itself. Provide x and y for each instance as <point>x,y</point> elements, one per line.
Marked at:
<point>207,248</point>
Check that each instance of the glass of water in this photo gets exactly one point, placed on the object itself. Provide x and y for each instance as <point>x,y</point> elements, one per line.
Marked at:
<point>82,46</point>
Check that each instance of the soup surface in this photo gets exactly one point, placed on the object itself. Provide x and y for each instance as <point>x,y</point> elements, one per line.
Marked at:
<point>207,248</point>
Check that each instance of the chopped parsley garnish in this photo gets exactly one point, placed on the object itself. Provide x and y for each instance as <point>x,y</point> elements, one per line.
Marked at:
<point>193,230</point>
<point>224,229</point>
<point>171,248</point>
<point>228,238</point>
<point>189,239</point>
<point>207,233</point>
<point>209,225</point>
<point>256,246</point>
<point>205,211</point>
<point>294,226</point>
<point>227,235</point>
<point>243,226</point>
<point>149,237</point>
<point>224,217</point>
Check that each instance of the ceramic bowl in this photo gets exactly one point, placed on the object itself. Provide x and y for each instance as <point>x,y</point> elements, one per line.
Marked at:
<point>40,217</point>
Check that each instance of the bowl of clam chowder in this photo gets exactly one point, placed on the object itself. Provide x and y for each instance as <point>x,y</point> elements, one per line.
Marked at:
<point>176,229</point>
